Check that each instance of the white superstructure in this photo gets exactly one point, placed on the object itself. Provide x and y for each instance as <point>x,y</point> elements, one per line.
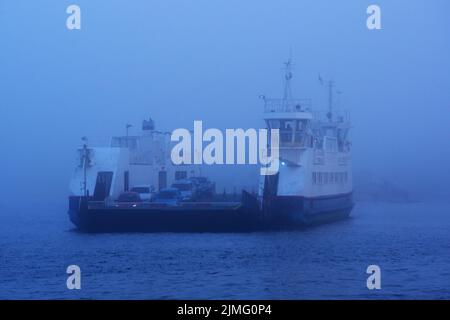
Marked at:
<point>315,159</point>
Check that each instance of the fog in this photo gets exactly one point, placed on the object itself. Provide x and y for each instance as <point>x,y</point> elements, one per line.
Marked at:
<point>180,61</point>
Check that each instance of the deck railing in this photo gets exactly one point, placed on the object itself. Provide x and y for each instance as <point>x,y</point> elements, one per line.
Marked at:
<point>291,105</point>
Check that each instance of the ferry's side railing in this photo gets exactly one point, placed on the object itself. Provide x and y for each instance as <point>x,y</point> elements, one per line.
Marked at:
<point>339,115</point>
<point>302,105</point>
<point>283,105</point>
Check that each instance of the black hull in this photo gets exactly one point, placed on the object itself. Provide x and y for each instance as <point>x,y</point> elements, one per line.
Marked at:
<point>277,213</point>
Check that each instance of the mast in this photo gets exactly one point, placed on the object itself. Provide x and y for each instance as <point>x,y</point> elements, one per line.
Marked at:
<point>287,94</point>
<point>330,100</point>
<point>287,80</point>
<point>85,163</point>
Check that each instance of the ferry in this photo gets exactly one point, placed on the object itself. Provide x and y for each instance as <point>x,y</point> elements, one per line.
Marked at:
<point>116,188</point>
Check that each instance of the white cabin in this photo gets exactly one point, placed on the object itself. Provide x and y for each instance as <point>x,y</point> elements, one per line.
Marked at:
<point>130,161</point>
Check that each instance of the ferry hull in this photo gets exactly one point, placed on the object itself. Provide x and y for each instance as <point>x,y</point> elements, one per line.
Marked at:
<point>153,220</point>
<point>296,211</point>
<point>277,213</point>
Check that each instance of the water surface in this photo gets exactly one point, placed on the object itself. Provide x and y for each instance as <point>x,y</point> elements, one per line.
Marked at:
<point>410,242</point>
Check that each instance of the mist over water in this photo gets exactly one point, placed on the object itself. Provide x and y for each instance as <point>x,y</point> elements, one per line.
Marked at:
<point>180,61</point>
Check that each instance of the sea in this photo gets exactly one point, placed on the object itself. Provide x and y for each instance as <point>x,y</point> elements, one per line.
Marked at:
<point>409,242</point>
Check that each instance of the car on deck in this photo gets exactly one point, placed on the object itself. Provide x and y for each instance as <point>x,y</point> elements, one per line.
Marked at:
<point>145,192</point>
<point>204,187</point>
<point>128,200</point>
<point>187,189</point>
<point>167,197</point>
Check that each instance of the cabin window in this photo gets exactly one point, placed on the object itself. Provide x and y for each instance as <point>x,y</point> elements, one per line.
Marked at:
<point>299,130</point>
<point>329,177</point>
<point>286,131</point>
<point>298,137</point>
<point>124,142</point>
<point>330,144</point>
